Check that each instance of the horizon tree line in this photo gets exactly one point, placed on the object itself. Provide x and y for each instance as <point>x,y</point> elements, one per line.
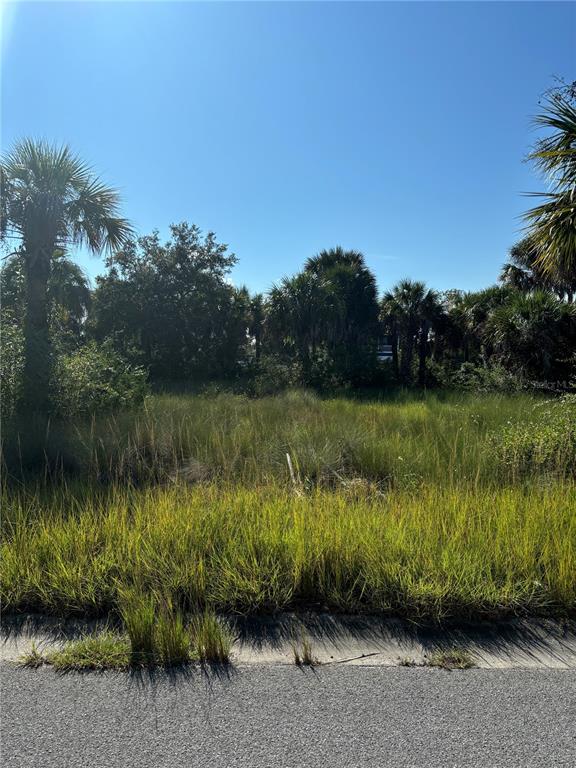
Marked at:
<point>170,308</point>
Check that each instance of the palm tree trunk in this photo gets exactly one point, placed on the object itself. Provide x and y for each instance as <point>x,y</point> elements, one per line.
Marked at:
<point>37,347</point>
<point>257,344</point>
<point>422,350</point>
<point>406,357</point>
<point>394,344</point>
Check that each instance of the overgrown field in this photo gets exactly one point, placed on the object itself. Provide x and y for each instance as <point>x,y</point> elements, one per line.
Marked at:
<point>432,507</point>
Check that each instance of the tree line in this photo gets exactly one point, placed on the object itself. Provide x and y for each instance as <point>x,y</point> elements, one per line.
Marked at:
<point>168,308</point>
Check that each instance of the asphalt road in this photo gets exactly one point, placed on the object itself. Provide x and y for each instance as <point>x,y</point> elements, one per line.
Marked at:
<point>282,716</point>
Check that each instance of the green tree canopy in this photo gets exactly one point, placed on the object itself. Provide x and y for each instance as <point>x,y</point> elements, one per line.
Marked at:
<point>409,311</point>
<point>169,305</point>
<point>329,313</point>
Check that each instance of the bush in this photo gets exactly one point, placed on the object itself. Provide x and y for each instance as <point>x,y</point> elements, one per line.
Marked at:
<point>546,443</point>
<point>11,364</point>
<point>273,375</point>
<point>95,378</point>
<point>492,378</point>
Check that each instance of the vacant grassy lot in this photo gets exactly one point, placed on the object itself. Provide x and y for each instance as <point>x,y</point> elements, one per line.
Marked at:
<point>430,507</point>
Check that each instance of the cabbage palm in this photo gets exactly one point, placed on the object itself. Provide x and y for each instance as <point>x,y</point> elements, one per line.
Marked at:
<point>299,308</point>
<point>411,308</point>
<point>553,222</point>
<point>352,326</point>
<point>524,272</point>
<point>256,315</point>
<point>51,201</point>
<point>534,334</point>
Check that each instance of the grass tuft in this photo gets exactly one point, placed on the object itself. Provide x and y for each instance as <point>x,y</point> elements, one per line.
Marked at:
<point>211,639</point>
<point>303,655</point>
<point>455,658</point>
<point>138,613</point>
<point>32,658</point>
<point>105,650</point>
<point>172,640</point>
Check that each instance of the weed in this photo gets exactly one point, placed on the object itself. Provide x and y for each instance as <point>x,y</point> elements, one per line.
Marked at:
<point>32,658</point>
<point>211,639</point>
<point>138,614</point>
<point>303,655</point>
<point>452,659</point>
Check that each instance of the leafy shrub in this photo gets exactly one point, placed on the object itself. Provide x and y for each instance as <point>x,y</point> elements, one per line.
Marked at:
<point>95,378</point>
<point>492,378</point>
<point>11,363</point>
<point>546,443</point>
<point>273,375</point>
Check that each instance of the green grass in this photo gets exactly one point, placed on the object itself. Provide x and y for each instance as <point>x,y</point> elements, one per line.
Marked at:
<point>165,641</point>
<point>455,658</point>
<point>212,639</point>
<point>432,553</point>
<point>106,650</point>
<point>399,441</point>
<point>433,507</point>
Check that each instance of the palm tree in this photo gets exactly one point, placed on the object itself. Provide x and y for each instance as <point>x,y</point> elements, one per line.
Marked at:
<point>69,290</point>
<point>351,330</point>
<point>533,334</point>
<point>552,224</point>
<point>411,308</point>
<point>469,314</point>
<point>298,315</point>
<point>51,200</point>
<point>524,272</point>
<point>390,318</point>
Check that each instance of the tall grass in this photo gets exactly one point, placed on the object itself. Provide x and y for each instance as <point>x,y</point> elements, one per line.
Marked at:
<point>432,506</point>
<point>428,553</point>
<point>400,441</point>
<point>138,613</point>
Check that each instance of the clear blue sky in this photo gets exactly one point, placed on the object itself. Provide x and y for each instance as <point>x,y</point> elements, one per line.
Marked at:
<point>398,129</point>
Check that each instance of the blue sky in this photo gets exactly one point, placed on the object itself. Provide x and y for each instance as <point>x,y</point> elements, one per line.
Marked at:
<point>398,129</point>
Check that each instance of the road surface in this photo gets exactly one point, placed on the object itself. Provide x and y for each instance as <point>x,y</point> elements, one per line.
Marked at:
<point>331,717</point>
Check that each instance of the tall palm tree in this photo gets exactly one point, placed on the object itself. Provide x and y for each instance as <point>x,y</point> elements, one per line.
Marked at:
<point>299,308</point>
<point>411,308</point>
<point>553,223</point>
<point>469,314</point>
<point>51,200</point>
<point>352,328</point>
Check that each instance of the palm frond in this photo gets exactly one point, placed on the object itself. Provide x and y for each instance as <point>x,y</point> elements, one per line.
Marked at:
<point>553,229</point>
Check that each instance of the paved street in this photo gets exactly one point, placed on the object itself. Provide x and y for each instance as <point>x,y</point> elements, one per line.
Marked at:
<point>336,716</point>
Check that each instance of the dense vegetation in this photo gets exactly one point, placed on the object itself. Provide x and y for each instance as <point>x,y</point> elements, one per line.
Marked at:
<point>168,308</point>
<point>433,506</point>
<point>169,437</point>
